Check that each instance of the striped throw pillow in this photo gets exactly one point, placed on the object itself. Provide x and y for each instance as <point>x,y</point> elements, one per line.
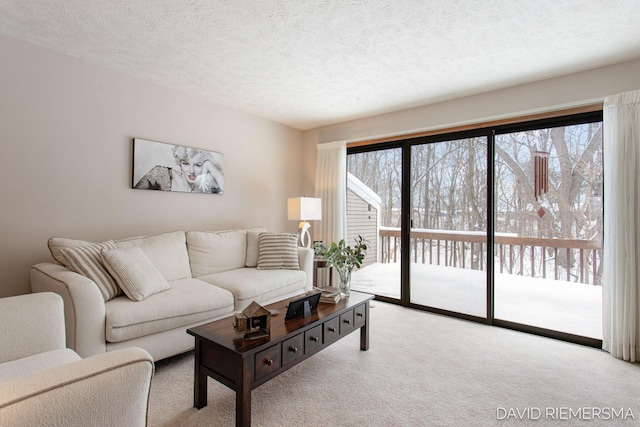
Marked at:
<point>134,272</point>
<point>86,260</point>
<point>56,244</point>
<point>278,251</point>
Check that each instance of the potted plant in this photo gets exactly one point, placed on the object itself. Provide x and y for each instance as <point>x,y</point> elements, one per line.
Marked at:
<point>345,258</point>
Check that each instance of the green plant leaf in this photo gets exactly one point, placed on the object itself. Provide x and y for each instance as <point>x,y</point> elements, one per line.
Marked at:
<point>343,256</point>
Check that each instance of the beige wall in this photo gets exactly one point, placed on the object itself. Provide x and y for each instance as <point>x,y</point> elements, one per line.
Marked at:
<point>65,168</point>
<point>546,95</point>
<point>66,129</point>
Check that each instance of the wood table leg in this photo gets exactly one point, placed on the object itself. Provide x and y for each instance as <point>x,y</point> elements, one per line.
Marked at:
<point>364,330</point>
<point>199,381</point>
<point>243,394</point>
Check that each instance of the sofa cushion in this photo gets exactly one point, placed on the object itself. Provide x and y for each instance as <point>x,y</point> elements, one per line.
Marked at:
<point>36,363</point>
<point>167,251</point>
<point>135,273</point>
<point>86,260</point>
<point>259,285</point>
<point>188,301</point>
<point>278,251</point>
<point>253,237</point>
<point>216,251</point>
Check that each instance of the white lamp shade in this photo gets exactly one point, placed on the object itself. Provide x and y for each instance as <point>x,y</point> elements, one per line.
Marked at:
<point>304,208</point>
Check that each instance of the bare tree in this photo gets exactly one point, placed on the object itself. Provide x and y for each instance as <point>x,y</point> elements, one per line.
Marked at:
<point>448,184</point>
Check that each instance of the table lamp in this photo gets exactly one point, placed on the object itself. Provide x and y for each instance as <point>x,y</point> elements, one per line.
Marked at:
<point>304,209</point>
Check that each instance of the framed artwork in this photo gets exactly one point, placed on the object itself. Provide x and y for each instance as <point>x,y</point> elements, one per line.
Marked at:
<point>167,167</point>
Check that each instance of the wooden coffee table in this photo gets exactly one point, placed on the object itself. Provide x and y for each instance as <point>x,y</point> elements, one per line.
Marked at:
<point>242,365</point>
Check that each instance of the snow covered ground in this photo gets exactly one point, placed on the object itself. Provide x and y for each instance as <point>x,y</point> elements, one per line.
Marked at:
<point>552,304</point>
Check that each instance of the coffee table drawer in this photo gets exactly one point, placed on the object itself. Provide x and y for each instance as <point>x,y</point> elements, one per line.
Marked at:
<point>359,315</point>
<point>313,339</point>
<point>267,361</point>
<point>331,330</point>
<point>346,322</point>
<point>292,349</point>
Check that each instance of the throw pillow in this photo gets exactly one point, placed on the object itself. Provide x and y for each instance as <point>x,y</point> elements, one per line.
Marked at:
<point>56,244</point>
<point>86,260</point>
<point>278,251</point>
<point>134,272</point>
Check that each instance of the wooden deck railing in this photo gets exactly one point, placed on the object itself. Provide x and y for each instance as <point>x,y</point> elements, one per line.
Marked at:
<point>560,259</point>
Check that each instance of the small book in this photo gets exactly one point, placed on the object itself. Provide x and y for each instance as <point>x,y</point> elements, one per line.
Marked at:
<point>330,299</point>
<point>329,294</point>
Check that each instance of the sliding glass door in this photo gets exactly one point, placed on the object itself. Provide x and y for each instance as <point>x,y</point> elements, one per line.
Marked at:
<point>548,224</point>
<point>448,220</point>
<point>501,224</point>
<point>374,211</point>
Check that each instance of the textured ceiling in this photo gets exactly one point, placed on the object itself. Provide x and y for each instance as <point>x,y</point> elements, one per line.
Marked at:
<point>309,63</point>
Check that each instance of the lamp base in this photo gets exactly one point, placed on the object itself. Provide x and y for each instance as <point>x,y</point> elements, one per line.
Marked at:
<point>305,236</point>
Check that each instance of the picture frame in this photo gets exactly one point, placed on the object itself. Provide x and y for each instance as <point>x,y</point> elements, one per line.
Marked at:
<point>303,306</point>
<point>170,167</point>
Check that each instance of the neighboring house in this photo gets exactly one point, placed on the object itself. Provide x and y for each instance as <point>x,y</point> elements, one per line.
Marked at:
<point>363,207</point>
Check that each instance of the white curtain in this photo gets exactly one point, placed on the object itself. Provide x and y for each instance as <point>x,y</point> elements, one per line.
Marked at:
<point>331,187</point>
<point>621,259</point>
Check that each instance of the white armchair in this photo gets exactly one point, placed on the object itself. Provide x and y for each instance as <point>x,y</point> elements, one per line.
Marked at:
<point>43,383</point>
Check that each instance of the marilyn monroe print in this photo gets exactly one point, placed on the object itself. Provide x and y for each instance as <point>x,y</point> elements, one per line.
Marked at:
<point>177,168</point>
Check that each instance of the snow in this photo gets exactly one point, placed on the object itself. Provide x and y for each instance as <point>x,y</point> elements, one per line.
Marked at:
<point>551,304</point>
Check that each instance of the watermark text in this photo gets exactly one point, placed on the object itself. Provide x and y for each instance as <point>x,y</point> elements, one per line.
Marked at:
<point>564,413</point>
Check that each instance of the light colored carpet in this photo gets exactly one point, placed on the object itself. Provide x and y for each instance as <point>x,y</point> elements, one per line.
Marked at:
<point>421,370</point>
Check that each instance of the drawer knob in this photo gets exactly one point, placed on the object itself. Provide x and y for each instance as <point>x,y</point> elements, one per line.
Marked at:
<point>347,321</point>
<point>331,329</point>
<point>360,314</point>
<point>314,339</point>
<point>269,362</point>
<point>293,349</point>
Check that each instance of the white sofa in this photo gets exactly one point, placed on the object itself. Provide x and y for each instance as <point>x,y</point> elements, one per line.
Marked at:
<point>45,384</point>
<point>180,280</point>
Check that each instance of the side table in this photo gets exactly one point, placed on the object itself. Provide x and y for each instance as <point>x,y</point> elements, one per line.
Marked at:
<point>318,263</point>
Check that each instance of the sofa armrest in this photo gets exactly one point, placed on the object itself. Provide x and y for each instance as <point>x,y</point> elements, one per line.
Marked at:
<point>108,389</point>
<point>305,256</point>
<point>84,309</point>
<point>31,324</point>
